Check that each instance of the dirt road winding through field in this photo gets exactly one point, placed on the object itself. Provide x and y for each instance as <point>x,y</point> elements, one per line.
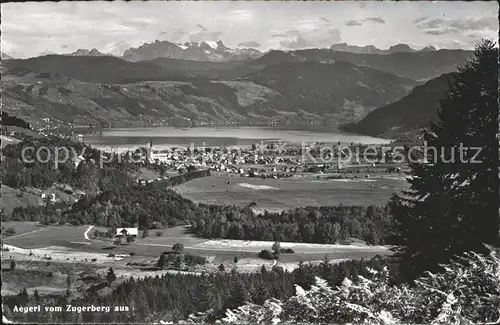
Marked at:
<point>26,233</point>
<point>86,234</point>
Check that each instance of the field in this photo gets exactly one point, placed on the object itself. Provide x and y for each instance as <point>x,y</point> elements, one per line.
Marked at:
<point>5,141</point>
<point>275,194</point>
<point>66,236</point>
<point>21,228</point>
<point>10,199</point>
<point>45,255</point>
<point>68,244</point>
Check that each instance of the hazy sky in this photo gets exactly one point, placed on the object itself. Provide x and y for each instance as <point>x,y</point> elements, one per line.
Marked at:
<point>29,29</point>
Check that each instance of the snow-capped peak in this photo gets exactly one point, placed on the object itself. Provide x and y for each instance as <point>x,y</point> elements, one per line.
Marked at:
<point>116,48</point>
<point>212,44</point>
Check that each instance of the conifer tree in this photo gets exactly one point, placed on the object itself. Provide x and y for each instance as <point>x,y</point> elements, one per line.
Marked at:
<point>260,294</point>
<point>162,261</point>
<point>452,205</point>
<point>36,295</point>
<point>204,299</point>
<point>111,276</point>
<point>238,294</point>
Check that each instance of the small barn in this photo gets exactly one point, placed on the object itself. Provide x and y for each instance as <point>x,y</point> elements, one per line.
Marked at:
<point>127,232</point>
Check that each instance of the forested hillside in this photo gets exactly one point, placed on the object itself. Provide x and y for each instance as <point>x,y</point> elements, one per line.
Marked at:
<point>415,111</point>
<point>175,297</point>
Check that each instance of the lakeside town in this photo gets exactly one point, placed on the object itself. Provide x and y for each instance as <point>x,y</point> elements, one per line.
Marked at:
<point>250,163</point>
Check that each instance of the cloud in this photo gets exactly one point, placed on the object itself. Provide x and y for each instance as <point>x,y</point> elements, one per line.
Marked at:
<point>239,15</point>
<point>249,44</point>
<point>353,23</point>
<point>419,20</point>
<point>455,26</point>
<point>176,35</point>
<point>440,31</point>
<point>298,42</point>
<point>375,20</point>
<point>205,36</point>
<point>203,28</point>
<point>318,37</point>
<point>31,28</point>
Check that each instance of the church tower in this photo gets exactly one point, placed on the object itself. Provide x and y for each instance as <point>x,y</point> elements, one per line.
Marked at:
<point>150,150</point>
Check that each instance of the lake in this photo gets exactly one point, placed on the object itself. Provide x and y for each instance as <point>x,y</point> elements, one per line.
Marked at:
<point>128,138</point>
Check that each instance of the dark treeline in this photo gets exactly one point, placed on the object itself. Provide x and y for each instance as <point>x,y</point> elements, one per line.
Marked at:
<point>325,225</point>
<point>40,166</point>
<point>173,297</point>
<point>128,206</point>
<point>14,121</point>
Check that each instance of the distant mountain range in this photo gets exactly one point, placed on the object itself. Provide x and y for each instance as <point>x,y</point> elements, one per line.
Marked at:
<point>84,52</point>
<point>102,89</point>
<point>204,51</point>
<point>214,51</point>
<point>316,85</point>
<point>370,49</point>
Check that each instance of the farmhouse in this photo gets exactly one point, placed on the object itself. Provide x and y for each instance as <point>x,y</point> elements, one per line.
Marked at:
<point>51,197</point>
<point>126,232</point>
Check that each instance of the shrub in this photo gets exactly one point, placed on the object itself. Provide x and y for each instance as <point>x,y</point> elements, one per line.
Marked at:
<point>192,260</point>
<point>179,248</point>
<point>132,253</point>
<point>266,254</point>
<point>276,246</point>
<point>111,255</point>
<point>159,234</point>
<point>286,250</point>
<point>10,231</point>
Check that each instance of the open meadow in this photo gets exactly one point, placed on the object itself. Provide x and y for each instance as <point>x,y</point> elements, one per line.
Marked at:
<point>68,244</point>
<point>298,191</point>
<point>11,198</point>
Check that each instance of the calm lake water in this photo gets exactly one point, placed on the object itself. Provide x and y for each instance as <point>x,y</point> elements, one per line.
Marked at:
<point>128,138</point>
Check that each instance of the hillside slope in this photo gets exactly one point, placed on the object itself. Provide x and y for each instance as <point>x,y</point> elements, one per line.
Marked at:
<point>413,112</point>
<point>317,86</point>
<point>414,65</point>
<point>338,91</point>
<point>307,90</point>
<point>97,69</point>
<point>12,198</point>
